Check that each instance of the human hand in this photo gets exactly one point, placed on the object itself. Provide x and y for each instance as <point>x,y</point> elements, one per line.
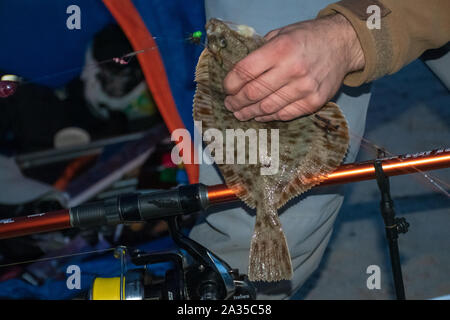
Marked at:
<point>296,72</point>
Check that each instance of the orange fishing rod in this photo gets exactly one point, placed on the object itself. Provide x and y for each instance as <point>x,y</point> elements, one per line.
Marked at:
<point>354,172</point>
<point>35,223</point>
<point>196,197</point>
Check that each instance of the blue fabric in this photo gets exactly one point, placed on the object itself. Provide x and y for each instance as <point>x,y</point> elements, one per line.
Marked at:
<point>171,22</point>
<point>35,41</point>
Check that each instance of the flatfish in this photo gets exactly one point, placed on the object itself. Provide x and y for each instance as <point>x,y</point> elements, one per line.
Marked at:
<point>299,156</point>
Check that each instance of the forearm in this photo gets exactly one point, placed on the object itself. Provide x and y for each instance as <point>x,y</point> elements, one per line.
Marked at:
<point>407,29</point>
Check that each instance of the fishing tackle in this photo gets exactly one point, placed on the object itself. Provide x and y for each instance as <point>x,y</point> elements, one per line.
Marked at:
<point>121,61</point>
<point>8,85</point>
<point>195,37</point>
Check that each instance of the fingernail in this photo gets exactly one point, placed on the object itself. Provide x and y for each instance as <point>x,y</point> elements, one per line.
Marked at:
<point>228,104</point>
<point>238,115</point>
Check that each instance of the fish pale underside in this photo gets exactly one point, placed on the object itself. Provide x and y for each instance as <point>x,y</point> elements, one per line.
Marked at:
<point>310,148</point>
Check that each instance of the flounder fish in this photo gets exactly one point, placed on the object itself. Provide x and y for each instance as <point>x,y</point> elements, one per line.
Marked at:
<point>307,149</point>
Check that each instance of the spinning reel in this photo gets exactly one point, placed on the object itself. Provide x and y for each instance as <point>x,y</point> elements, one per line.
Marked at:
<point>196,274</point>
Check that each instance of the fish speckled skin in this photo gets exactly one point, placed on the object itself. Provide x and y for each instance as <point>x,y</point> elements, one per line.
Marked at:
<point>310,147</point>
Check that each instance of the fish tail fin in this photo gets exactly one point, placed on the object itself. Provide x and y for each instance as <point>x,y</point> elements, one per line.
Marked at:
<point>270,259</point>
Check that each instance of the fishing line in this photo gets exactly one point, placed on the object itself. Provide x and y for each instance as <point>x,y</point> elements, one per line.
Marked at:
<point>123,60</point>
<point>57,257</point>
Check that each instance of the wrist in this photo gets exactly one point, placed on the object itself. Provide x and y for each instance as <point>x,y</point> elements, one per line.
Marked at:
<point>353,51</point>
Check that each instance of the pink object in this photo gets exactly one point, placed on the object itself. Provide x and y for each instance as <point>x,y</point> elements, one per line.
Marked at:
<point>167,161</point>
<point>7,88</point>
<point>120,61</point>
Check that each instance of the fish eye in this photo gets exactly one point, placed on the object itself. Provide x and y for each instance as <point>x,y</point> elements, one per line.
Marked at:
<point>222,42</point>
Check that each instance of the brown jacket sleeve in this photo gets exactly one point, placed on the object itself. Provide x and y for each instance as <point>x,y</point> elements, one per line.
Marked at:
<point>407,29</point>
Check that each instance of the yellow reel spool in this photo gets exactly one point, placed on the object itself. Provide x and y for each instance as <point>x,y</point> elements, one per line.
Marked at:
<point>107,288</point>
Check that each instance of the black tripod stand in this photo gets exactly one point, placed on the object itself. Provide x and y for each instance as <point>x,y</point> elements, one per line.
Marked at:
<point>393,226</point>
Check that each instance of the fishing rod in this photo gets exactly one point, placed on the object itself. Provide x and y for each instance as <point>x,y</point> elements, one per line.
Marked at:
<point>208,276</point>
<point>197,197</point>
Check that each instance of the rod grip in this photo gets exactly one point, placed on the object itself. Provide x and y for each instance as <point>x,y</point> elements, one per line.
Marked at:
<point>88,215</point>
<point>182,200</point>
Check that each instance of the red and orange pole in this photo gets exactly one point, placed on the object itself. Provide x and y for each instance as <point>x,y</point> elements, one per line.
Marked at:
<point>35,223</point>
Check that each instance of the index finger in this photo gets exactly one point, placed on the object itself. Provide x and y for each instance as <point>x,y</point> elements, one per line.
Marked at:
<point>249,68</point>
